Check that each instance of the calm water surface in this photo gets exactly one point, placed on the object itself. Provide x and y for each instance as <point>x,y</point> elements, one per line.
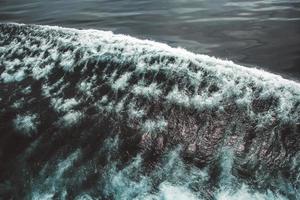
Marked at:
<point>263,33</point>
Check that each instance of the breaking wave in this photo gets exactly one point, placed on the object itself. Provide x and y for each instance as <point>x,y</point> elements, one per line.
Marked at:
<point>88,114</point>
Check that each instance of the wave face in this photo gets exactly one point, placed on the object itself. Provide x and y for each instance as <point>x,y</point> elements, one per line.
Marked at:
<point>88,114</point>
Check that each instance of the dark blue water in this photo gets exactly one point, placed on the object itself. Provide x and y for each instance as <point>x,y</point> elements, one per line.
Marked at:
<point>90,115</point>
<point>262,33</point>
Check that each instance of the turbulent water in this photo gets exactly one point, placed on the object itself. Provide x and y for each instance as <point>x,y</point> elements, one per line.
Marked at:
<point>88,114</point>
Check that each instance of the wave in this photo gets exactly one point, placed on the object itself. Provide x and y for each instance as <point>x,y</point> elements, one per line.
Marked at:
<point>88,114</point>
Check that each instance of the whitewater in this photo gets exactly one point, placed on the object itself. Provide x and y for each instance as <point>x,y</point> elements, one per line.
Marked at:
<point>89,114</point>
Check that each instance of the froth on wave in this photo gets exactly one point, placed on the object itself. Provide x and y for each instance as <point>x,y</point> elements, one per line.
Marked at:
<point>88,114</point>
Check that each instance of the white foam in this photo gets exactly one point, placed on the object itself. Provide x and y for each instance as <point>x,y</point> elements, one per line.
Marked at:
<point>178,97</point>
<point>71,118</point>
<point>150,91</point>
<point>120,185</point>
<point>15,77</point>
<point>44,196</point>
<point>18,104</point>
<point>67,163</point>
<point>245,193</point>
<point>122,82</point>
<point>39,72</point>
<point>171,192</point>
<point>135,112</point>
<point>67,61</point>
<point>27,90</point>
<point>26,123</point>
<point>83,197</point>
<point>86,87</point>
<point>63,105</point>
<point>154,126</point>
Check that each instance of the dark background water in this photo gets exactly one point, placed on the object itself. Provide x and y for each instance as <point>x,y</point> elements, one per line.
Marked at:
<point>262,33</point>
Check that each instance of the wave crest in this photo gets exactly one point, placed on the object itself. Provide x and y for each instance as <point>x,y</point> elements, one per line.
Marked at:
<point>141,117</point>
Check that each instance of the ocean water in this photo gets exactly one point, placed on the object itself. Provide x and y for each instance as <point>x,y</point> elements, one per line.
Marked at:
<point>259,33</point>
<point>87,114</point>
<point>91,114</point>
